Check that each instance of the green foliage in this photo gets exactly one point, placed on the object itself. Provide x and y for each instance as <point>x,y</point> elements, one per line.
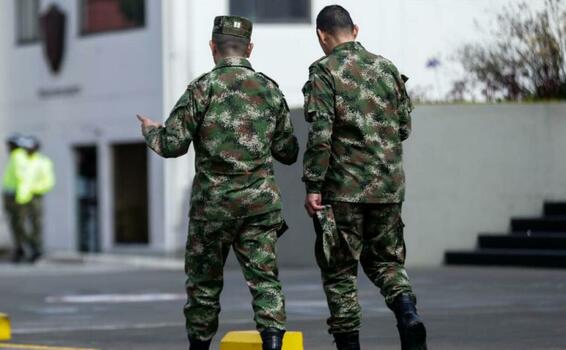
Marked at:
<point>523,61</point>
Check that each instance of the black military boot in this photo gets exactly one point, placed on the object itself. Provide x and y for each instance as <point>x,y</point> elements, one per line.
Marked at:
<point>199,344</point>
<point>272,338</point>
<point>411,328</point>
<point>347,341</point>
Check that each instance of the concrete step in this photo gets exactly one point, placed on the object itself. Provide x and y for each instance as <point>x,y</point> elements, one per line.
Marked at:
<point>555,209</point>
<point>508,257</point>
<point>544,224</point>
<point>542,241</point>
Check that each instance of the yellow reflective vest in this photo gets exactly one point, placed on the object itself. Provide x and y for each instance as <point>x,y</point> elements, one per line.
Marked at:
<point>42,177</point>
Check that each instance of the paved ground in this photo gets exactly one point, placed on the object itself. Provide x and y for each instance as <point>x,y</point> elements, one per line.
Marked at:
<point>465,308</point>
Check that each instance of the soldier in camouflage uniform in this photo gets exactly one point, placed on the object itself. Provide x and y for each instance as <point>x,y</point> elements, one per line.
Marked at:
<point>239,123</point>
<point>359,113</point>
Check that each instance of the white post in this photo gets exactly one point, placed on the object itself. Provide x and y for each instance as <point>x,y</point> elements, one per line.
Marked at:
<point>105,195</point>
<point>177,173</point>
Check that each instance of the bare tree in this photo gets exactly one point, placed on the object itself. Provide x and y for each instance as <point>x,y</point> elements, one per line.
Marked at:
<point>524,60</point>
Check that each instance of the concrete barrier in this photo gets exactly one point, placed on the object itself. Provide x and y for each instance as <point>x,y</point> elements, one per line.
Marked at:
<point>250,340</point>
<point>5,330</point>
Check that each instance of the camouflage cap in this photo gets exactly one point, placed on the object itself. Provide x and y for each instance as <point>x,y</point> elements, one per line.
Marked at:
<point>233,25</point>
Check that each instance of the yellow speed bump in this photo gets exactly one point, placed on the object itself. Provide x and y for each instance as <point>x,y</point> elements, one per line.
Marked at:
<point>5,331</point>
<point>250,340</point>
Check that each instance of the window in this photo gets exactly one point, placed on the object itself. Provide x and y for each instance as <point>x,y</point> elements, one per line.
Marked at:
<point>273,11</point>
<point>27,20</point>
<point>110,15</point>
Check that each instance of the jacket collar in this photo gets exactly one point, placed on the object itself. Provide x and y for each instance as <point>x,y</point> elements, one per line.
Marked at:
<point>233,62</point>
<point>348,46</point>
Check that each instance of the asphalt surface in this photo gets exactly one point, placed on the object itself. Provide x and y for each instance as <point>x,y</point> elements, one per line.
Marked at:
<point>116,307</point>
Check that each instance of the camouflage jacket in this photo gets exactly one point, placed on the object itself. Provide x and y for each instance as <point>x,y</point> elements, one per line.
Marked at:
<point>239,122</point>
<point>359,113</point>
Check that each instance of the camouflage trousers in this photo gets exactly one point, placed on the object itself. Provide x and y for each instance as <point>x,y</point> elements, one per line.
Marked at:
<point>254,242</point>
<point>371,234</point>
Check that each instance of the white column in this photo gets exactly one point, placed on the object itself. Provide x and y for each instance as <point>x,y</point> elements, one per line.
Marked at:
<point>105,195</point>
<point>178,173</point>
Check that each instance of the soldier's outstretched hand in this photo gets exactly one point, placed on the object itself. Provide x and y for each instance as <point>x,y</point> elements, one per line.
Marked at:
<point>146,122</point>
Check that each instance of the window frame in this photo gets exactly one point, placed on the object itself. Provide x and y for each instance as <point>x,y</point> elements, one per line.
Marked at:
<point>87,33</point>
<point>17,23</point>
<point>292,21</point>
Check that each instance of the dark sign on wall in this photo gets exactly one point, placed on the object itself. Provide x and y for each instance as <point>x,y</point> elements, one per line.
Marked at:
<point>53,23</point>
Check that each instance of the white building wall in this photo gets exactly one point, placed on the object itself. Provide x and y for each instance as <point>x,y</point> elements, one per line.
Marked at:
<point>4,234</point>
<point>118,74</point>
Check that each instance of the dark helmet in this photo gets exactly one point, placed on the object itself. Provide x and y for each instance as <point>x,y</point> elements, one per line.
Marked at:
<point>27,142</point>
<point>13,140</point>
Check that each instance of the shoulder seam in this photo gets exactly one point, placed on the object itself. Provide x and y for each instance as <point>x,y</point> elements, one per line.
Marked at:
<point>318,61</point>
<point>268,78</point>
<point>197,79</point>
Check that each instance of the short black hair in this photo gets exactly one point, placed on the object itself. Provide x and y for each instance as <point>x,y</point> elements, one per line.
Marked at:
<point>230,44</point>
<point>333,19</point>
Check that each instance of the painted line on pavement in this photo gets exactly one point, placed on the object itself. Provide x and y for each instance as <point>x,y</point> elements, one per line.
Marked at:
<point>116,327</point>
<point>115,298</point>
<point>37,347</point>
<point>110,327</point>
<point>134,326</point>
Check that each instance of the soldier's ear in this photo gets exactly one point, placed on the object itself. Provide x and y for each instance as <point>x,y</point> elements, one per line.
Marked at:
<point>213,50</point>
<point>249,49</point>
<point>355,31</point>
<point>321,35</point>
<point>323,39</point>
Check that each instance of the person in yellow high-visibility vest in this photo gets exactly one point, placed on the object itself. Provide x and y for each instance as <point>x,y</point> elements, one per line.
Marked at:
<point>17,195</point>
<point>41,181</point>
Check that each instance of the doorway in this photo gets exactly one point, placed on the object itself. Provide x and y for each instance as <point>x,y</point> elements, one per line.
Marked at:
<point>130,194</point>
<point>86,194</point>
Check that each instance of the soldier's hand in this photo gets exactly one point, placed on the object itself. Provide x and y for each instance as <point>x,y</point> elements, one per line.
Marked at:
<point>146,122</point>
<point>313,203</point>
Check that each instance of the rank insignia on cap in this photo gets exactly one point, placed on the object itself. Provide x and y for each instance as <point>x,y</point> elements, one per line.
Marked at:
<point>233,25</point>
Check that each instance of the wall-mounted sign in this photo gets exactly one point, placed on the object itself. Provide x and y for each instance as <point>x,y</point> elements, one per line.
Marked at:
<point>53,23</point>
